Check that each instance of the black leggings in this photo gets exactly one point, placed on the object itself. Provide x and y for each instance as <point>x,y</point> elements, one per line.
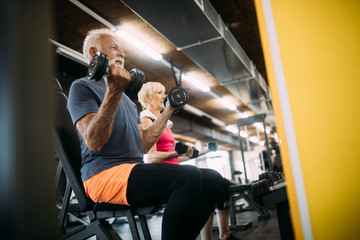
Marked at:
<point>190,195</point>
<point>223,203</point>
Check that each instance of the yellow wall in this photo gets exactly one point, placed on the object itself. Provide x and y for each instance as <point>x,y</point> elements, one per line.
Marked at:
<point>319,43</point>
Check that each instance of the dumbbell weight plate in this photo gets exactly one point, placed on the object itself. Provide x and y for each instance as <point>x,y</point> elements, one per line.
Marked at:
<point>181,147</point>
<point>195,153</point>
<point>178,97</point>
<point>98,66</point>
<point>278,176</point>
<point>137,80</point>
<point>165,101</point>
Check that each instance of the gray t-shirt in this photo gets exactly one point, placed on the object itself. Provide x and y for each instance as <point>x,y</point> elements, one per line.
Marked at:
<point>124,145</point>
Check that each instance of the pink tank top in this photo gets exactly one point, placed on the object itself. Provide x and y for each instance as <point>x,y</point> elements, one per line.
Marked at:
<point>166,143</point>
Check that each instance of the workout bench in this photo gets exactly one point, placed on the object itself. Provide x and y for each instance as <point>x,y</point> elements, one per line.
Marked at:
<point>242,192</point>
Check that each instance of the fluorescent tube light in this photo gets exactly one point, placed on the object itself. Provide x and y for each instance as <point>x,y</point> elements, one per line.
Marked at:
<point>196,83</point>
<point>193,110</point>
<point>244,115</point>
<point>243,134</point>
<point>232,129</point>
<point>228,104</point>
<point>138,44</point>
<point>259,126</point>
<point>253,139</point>
<point>69,53</point>
<point>200,113</point>
<point>216,121</point>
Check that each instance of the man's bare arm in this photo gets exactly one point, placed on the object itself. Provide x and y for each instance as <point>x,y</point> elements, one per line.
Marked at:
<point>96,128</point>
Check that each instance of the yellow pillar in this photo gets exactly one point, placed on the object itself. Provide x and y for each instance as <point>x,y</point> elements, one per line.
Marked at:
<point>312,55</point>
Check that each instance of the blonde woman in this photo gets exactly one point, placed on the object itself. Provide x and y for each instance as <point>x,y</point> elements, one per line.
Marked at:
<point>152,96</point>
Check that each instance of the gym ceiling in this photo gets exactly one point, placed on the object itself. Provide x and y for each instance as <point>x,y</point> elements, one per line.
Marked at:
<point>217,42</point>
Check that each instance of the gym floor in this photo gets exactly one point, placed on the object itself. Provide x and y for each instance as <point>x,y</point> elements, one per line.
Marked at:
<point>260,230</point>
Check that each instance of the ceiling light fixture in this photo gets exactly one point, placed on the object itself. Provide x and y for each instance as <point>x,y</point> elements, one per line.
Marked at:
<point>216,121</point>
<point>260,126</point>
<point>243,134</point>
<point>253,139</point>
<point>244,115</point>
<point>232,129</point>
<point>138,44</point>
<point>196,83</point>
<point>69,53</point>
<point>200,113</point>
<point>228,104</point>
<point>193,110</point>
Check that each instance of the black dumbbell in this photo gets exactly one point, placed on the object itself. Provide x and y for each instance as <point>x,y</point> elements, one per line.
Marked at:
<point>279,177</point>
<point>177,97</point>
<point>261,187</point>
<point>212,146</point>
<point>195,153</point>
<point>176,111</point>
<point>98,67</point>
<point>273,177</point>
<point>269,176</point>
<point>181,148</point>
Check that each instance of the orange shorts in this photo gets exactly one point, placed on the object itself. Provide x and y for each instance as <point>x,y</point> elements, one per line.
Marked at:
<point>110,185</point>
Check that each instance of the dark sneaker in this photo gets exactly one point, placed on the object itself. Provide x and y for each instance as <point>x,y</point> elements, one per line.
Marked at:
<point>232,237</point>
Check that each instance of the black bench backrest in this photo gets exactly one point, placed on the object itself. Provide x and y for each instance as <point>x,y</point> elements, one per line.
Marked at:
<point>67,147</point>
